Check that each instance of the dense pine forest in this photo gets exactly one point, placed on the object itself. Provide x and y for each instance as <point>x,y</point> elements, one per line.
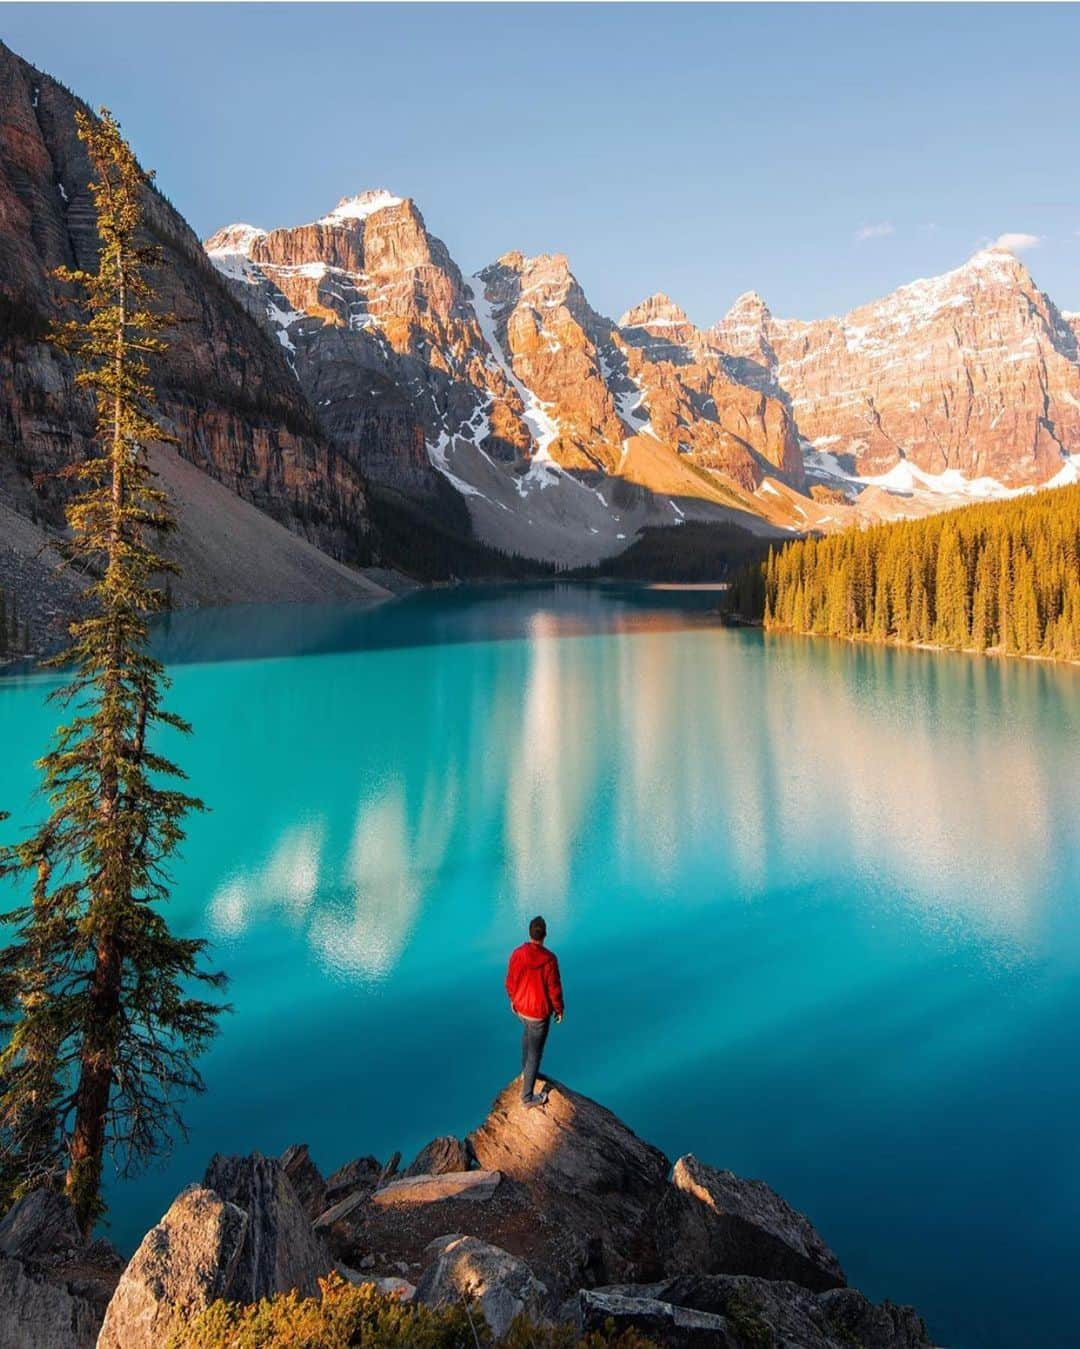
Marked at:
<point>1002,577</point>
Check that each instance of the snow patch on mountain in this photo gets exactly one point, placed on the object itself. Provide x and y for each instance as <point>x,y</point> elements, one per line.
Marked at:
<point>361,206</point>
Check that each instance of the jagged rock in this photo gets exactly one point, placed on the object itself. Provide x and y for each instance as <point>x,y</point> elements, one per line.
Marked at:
<point>41,1223</point>
<point>390,1169</point>
<point>306,1179</point>
<point>360,1174</point>
<point>586,1171</point>
<point>440,1155</point>
<point>38,1313</point>
<point>341,1209</point>
<point>187,1261</point>
<point>714,1222</point>
<point>280,1251</point>
<point>473,1185</point>
<point>667,1324</point>
<point>764,1311</point>
<point>502,1285</point>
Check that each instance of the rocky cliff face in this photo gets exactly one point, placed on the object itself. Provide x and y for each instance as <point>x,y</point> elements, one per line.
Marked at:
<point>226,388</point>
<point>973,373</point>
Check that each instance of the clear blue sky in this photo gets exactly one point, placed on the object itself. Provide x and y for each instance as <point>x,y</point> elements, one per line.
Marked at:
<point>699,150</point>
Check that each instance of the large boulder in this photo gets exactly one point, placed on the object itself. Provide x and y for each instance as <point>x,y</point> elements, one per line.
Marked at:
<point>756,1311</point>
<point>281,1252</point>
<point>54,1287</point>
<point>585,1171</point>
<point>714,1222</point>
<point>440,1155</point>
<point>187,1261</point>
<point>502,1286</point>
<point>39,1313</point>
<point>305,1178</point>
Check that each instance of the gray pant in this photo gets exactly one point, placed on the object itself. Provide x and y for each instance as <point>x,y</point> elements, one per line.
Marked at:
<point>533,1039</point>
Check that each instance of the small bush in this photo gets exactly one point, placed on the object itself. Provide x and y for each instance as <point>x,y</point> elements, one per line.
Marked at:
<point>351,1317</point>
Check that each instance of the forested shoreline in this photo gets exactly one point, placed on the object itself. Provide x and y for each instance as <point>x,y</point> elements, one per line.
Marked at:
<point>1001,577</point>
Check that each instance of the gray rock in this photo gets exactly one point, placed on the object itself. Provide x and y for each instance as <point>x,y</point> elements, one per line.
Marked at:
<point>670,1325</point>
<point>778,1311</point>
<point>281,1252</point>
<point>473,1185</point>
<point>341,1209</point>
<point>37,1313</point>
<point>714,1222</point>
<point>586,1171</point>
<point>502,1285</point>
<point>440,1155</point>
<point>305,1178</point>
<point>355,1175</point>
<point>183,1264</point>
<point>40,1224</point>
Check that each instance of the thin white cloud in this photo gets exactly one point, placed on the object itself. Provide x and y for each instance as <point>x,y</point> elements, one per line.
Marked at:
<point>1017,243</point>
<point>879,231</point>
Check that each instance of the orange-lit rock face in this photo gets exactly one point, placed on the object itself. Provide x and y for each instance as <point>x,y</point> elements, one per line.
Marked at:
<point>513,364</point>
<point>975,370</point>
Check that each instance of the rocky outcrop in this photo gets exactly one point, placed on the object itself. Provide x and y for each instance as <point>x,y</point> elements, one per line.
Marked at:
<point>501,1286</point>
<point>440,1155</point>
<point>739,1311</point>
<point>190,1259</point>
<point>39,1225</point>
<point>579,1221</point>
<point>280,1251</point>
<point>714,1222</point>
<point>54,1287</point>
<point>305,1178</point>
<point>584,1169</point>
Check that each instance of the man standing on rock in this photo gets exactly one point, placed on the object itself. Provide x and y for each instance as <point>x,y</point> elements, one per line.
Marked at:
<point>535,991</point>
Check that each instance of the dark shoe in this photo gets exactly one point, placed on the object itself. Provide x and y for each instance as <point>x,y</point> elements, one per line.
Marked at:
<point>530,1101</point>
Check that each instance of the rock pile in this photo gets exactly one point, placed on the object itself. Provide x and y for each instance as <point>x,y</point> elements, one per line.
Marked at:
<point>560,1214</point>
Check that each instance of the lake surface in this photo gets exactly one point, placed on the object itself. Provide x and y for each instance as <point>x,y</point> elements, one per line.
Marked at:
<point>816,908</point>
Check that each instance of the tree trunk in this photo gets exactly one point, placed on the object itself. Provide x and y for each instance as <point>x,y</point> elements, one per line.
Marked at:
<point>95,1084</point>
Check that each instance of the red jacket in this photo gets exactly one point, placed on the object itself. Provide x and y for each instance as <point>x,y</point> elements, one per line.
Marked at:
<point>532,981</point>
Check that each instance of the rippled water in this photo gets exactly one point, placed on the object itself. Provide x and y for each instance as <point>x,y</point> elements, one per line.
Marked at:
<point>815,906</point>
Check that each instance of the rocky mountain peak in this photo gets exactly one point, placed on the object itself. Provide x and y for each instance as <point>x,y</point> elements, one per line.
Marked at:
<point>656,311</point>
<point>748,306</point>
<point>234,239</point>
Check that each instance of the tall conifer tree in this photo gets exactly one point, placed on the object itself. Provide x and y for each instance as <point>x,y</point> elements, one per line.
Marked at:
<point>103,1027</point>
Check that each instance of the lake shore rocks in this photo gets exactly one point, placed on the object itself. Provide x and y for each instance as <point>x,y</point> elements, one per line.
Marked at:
<point>560,1214</point>
<point>714,1222</point>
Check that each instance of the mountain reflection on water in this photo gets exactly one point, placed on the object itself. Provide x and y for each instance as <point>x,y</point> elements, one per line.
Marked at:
<point>815,905</point>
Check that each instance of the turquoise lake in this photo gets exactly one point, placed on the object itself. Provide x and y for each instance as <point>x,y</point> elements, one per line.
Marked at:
<point>816,907</point>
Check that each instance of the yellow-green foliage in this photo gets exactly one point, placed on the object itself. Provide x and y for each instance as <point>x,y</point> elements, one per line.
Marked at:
<point>1004,576</point>
<point>348,1317</point>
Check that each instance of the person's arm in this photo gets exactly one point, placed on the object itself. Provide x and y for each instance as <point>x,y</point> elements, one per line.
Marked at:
<point>511,981</point>
<point>553,984</point>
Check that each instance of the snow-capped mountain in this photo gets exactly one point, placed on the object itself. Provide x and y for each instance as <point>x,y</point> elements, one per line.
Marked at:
<point>566,432</point>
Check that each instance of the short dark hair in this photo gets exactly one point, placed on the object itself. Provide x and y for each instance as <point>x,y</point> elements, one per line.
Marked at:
<point>538,929</point>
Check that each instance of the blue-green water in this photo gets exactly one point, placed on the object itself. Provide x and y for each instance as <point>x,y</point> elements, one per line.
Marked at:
<point>816,907</point>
